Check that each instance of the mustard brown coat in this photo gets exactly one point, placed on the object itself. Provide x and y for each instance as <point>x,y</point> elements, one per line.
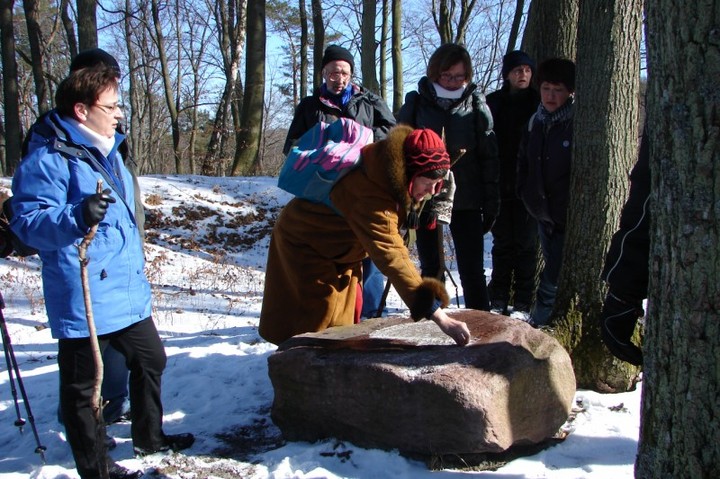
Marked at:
<point>314,260</point>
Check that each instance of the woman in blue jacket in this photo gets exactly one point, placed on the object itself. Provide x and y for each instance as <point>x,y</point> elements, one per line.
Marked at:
<point>55,204</point>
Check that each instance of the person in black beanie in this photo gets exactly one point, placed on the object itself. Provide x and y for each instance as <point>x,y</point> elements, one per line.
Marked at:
<point>514,233</point>
<point>339,97</point>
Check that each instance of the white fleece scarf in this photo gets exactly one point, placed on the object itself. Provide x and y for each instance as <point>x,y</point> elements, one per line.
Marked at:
<point>450,94</point>
<point>102,143</point>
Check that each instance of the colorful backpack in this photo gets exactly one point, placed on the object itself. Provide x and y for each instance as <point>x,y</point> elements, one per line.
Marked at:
<point>321,157</point>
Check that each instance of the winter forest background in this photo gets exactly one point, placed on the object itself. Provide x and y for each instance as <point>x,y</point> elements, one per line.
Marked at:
<point>210,87</point>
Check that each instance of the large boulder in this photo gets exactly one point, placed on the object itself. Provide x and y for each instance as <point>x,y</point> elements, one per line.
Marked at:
<point>391,383</point>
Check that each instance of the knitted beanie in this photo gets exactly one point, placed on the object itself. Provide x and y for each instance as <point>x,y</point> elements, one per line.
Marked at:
<point>336,52</point>
<point>424,152</point>
<point>514,59</point>
<point>94,57</point>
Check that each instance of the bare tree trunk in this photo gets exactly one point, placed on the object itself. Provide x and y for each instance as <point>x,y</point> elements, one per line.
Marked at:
<point>551,30</point>
<point>304,39</point>
<point>170,98</point>
<point>319,46</point>
<point>466,8</point>
<point>680,408</point>
<point>231,24</point>
<point>383,48</point>
<point>11,103</point>
<point>69,27</point>
<point>605,148</point>
<point>248,138</point>
<point>515,28</point>
<point>397,61</point>
<point>87,24</point>
<point>34,35</point>
<point>367,50</point>
<point>442,15</point>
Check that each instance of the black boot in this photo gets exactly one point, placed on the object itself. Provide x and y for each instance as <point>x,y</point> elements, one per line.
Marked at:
<point>619,317</point>
<point>175,442</point>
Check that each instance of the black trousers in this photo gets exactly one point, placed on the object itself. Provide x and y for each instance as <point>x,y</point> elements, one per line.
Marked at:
<point>514,254</point>
<point>145,358</point>
<point>466,228</point>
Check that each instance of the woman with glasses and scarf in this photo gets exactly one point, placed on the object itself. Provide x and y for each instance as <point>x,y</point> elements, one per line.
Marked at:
<point>449,103</point>
<point>543,179</point>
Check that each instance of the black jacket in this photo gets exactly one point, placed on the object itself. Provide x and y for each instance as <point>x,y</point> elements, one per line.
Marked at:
<point>364,107</point>
<point>468,125</point>
<point>543,176</point>
<point>626,264</point>
<point>511,113</point>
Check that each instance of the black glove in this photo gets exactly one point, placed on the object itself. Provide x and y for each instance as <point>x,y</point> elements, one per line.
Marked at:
<point>95,206</point>
<point>488,222</point>
<point>619,316</point>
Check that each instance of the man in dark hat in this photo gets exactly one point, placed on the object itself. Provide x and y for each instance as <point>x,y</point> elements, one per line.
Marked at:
<point>514,233</point>
<point>339,97</point>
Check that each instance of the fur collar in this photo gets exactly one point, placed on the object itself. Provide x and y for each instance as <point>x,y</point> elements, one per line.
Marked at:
<point>384,163</point>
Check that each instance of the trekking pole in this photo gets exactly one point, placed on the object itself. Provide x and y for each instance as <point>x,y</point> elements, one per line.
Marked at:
<point>13,365</point>
<point>97,403</point>
<point>443,265</point>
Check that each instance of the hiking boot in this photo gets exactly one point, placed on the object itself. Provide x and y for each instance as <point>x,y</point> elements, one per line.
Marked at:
<point>522,316</point>
<point>498,306</point>
<point>116,471</point>
<point>174,442</point>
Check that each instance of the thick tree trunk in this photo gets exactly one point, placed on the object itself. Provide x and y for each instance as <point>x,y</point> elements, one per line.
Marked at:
<point>319,39</point>
<point>248,138</point>
<point>551,29</point>
<point>680,407</point>
<point>367,49</point>
<point>11,102</point>
<point>87,24</point>
<point>32,20</point>
<point>605,148</point>
<point>397,62</point>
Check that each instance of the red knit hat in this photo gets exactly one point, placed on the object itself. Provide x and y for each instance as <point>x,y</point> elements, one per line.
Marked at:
<point>424,152</point>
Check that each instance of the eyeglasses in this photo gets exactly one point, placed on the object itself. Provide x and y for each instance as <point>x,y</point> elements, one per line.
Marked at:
<point>111,109</point>
<point>335,76</point>
<point>448,77</point>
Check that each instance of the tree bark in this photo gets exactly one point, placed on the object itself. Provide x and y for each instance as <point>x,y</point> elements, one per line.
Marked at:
<point>605,148</point>
<point>397,61</point>
<point>680,407</point>
<point>87,24</point>
<point>304,40</point>
<point>515,28</point>
<point>367,49</point>
<point>34,38</point>
<point>11,102</point>
<point>170,99</point>
<point>551,30</point>
<point>248,138</point>
<point>319,39</point>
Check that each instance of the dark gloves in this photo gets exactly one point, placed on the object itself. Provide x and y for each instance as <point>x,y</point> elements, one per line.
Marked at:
<point>619,316</point>
<point>488,222</point>
<point>95,206</point>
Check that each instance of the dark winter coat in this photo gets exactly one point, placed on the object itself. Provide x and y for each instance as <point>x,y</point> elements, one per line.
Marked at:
<point>626,264</point>
<point>364,107</point>
<point>314,260</point>
<point>511,112</point>
<point>466,124</point>
<point>543,176</point>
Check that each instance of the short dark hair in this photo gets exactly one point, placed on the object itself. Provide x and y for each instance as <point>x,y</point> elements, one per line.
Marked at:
<point>557,70</point>
<point>84,86</point>
<point>435,174</point>
<point>445,57</point>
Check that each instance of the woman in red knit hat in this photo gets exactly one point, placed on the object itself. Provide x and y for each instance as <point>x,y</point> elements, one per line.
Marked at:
<point>314,260</point>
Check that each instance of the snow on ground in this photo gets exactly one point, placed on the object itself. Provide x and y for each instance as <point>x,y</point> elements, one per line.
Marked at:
<point>207,243</point>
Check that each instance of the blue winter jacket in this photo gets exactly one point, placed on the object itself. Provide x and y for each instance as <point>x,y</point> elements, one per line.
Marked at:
<point>60,170</point>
